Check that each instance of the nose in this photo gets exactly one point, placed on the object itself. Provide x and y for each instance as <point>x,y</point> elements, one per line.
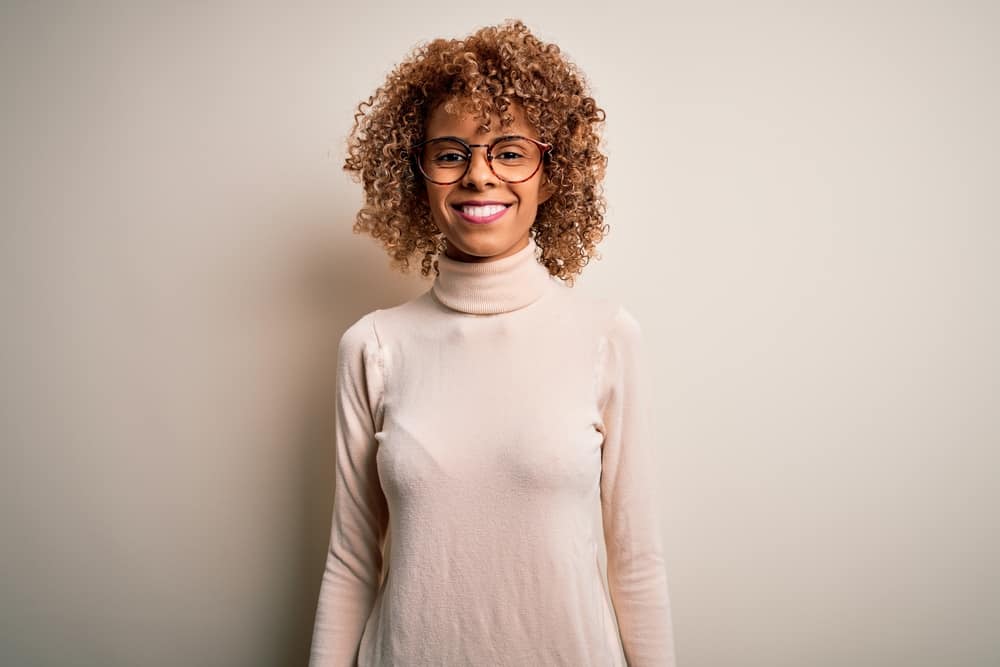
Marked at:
<point>479,174</point>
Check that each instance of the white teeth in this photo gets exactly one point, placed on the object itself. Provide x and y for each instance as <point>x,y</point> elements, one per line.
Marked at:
<point>482,211</point>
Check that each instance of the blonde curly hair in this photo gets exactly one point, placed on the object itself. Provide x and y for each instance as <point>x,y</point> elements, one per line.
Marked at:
<point>483,74</point>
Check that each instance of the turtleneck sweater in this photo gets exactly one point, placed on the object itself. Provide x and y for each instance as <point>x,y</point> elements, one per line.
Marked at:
<point>489,288</point>
<point>493,496</point>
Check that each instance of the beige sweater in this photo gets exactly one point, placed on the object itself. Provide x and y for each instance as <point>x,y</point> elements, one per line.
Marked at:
<point>491,438</point>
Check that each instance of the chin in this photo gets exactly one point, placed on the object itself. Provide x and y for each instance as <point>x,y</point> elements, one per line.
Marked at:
<point>486,246</point>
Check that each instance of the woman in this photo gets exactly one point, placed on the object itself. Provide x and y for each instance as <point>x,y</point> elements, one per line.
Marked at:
<point>490,433</point>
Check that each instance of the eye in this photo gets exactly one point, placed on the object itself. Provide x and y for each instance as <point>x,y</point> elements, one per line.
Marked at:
<point>449,157</point>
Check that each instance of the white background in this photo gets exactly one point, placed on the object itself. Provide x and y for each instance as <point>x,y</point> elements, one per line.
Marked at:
<point>803,210</point>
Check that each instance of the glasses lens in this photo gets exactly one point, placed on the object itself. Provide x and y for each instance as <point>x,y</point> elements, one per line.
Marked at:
<point>515,158</point>
<point>444,160</point>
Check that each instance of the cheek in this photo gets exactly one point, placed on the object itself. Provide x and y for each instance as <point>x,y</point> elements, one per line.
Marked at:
<point>436,197</point>
<point>527,196</point>
<point>437,202</point>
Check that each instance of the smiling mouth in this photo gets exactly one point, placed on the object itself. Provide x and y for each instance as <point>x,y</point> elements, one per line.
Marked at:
<point>482,214</point>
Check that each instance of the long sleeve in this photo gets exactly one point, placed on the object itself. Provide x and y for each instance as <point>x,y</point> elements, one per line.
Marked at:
<point>637,577</point>
<point>360,516</point>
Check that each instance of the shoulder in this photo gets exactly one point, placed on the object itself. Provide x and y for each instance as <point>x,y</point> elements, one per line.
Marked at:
<point>361,335</point>
<point>383,327</point>
<point>620,345</point>
<point>383,323</point>
<point>623,325</point>
<point>608,316</point>
<point>616,323</point>
<point>390,323</point>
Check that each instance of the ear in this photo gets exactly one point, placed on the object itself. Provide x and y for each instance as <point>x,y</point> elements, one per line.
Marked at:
<point>546,190</point>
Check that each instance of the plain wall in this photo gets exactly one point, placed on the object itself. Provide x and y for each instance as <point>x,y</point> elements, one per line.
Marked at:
<point>803,203</point>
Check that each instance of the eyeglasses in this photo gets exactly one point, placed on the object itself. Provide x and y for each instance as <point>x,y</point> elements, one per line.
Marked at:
<point>512,159</point>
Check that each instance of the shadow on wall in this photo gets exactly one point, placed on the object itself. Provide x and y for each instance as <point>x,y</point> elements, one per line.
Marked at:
<point>339,282</point>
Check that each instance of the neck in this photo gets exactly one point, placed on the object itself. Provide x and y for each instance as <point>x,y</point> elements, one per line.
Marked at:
<point>496,286</point>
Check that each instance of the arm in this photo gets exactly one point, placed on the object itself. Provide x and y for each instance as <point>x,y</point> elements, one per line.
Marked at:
<point>637,577</point>
<point>360,514</point>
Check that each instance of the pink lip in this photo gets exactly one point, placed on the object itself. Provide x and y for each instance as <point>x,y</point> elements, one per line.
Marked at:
<point>480,202</point>
<point>487,219</point>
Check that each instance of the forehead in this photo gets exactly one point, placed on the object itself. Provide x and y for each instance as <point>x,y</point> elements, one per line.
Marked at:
<point>466,126</point>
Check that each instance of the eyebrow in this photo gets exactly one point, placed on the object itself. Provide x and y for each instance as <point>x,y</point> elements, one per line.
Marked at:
<point>488,140</point>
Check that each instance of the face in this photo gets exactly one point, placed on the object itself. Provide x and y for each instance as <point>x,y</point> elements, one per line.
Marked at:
<point>469,240</point>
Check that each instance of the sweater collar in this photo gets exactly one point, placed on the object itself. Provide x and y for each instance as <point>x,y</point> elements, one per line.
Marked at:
<point>497,286</point>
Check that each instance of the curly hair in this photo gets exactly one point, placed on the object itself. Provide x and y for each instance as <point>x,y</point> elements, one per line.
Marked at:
<point>483,75</point>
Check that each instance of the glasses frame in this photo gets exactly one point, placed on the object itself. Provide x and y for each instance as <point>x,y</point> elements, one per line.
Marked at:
<point>416,151</point>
